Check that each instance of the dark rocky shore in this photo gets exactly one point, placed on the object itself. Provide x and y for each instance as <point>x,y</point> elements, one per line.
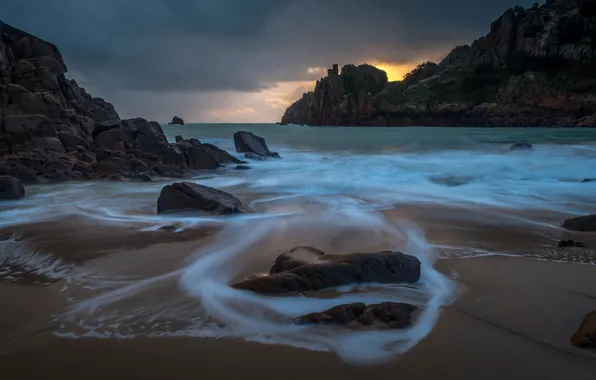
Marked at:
<point>52,130</point>
<point>536,67</point>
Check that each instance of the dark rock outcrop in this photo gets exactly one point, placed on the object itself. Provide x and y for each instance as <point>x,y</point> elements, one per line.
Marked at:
<point>308,269</point>
<point>585,336</point>
<point>536,67</point>
<point>247,142</point>
<point>188,196</point>
<point>51,129</point>
<point>10,188</point>
<point>585,223</point>
<point>177,121</point>
<point>386,314</point>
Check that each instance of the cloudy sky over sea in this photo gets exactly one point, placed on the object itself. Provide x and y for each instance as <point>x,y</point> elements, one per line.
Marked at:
<point>239,60</point>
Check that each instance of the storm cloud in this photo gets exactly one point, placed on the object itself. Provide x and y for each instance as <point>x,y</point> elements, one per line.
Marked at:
<point>159,57</point>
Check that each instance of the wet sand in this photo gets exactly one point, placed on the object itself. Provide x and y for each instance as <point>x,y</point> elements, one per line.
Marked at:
<point>513,319</point>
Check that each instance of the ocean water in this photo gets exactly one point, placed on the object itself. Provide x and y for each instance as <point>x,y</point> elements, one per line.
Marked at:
<point>436,193</point>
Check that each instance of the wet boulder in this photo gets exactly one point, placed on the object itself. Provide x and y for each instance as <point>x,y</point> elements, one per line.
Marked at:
<point>308,269</point>
<point>585,336</point>
<point>10,188</point>
<point>201,159</point>
<point>188,196</point>
<point>222,156</point>
<point>247,142</point>
<point>585,223</point>
<point>386,314</point>
<point>172,171</point>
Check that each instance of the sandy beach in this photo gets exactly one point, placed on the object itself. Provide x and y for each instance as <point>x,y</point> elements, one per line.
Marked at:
<point>512,318</point>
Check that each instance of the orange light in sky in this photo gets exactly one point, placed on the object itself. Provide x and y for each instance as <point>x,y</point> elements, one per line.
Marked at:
<point>395,71</point>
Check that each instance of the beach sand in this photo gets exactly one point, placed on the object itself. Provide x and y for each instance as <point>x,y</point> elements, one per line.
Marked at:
<point>513,319</point>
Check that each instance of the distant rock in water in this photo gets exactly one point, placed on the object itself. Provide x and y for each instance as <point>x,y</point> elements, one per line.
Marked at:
<point>521,146</point>
<point>535,68</point>
<point>581,223</point>
<point>188,196</point>
<point>10,188</point>
<point>309,269</point>
<point>177,121</point>
<point>585,336</point>
<point>386,314</point>
<point>252,145</point>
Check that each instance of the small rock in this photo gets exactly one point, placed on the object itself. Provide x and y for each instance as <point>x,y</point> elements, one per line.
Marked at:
<point>242,167</point>
<point>585,336</point>
<point>11,188</point>
<point>391,314</point>
<point>571,243</point>
<point>585,223</point>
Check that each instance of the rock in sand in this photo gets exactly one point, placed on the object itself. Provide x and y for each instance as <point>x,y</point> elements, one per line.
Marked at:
<point>585,223</point>
<point>309,269</point>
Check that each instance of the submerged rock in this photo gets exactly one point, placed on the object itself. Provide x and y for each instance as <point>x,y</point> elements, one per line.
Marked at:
<point>521,146</point>
<point>391,314</point>
<point>247,142</point>
<point>585,336</point>
<point>581,223</point>
<point>188,196</point>
<point>11,188</point>
<point>309,269</point>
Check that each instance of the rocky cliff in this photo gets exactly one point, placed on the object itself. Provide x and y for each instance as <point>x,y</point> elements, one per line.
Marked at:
<point>51,129</point>
<point>536,67</point>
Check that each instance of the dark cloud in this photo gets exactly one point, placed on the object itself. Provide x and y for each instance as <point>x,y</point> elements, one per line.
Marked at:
<point>171,46</point>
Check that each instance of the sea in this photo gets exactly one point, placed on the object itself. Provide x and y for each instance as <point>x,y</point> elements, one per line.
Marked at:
<point>436,193</point>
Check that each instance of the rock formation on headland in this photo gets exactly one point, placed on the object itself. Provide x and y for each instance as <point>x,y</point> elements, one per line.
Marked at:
<point>536,67</point>
<point>51,129</point>
<point>176,121</point>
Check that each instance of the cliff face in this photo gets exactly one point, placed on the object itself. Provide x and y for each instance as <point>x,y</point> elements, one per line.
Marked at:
<point>51,129</point>
<point>536,67</point>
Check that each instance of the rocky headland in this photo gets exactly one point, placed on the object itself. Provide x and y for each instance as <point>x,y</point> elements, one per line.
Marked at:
<point>53,130</point>
<point>535,68</point>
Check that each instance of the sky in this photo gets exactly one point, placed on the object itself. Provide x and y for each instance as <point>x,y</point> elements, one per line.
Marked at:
<point>240,60</point>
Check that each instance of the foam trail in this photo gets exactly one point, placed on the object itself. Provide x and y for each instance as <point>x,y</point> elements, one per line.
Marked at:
<point>250,315</point>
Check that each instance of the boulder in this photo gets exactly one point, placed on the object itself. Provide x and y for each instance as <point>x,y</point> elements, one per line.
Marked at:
<point>22,172</point>
<point>70,140</point>
<point>220,155</point>
<point>585,223</point>
<point>179,138</point>
<point>201,159</point>
<point>188,196</point>
<point>308,269</point>
<point>10,188</point>
<point>386,314</point>
<point>20,129</point>
<point>114,139</point>
<point>585,336</point>
<point>521,146</point>
<point>105,126</point>
<point>177,121</point>
<point>247,142</point>
<point>48,144</point>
